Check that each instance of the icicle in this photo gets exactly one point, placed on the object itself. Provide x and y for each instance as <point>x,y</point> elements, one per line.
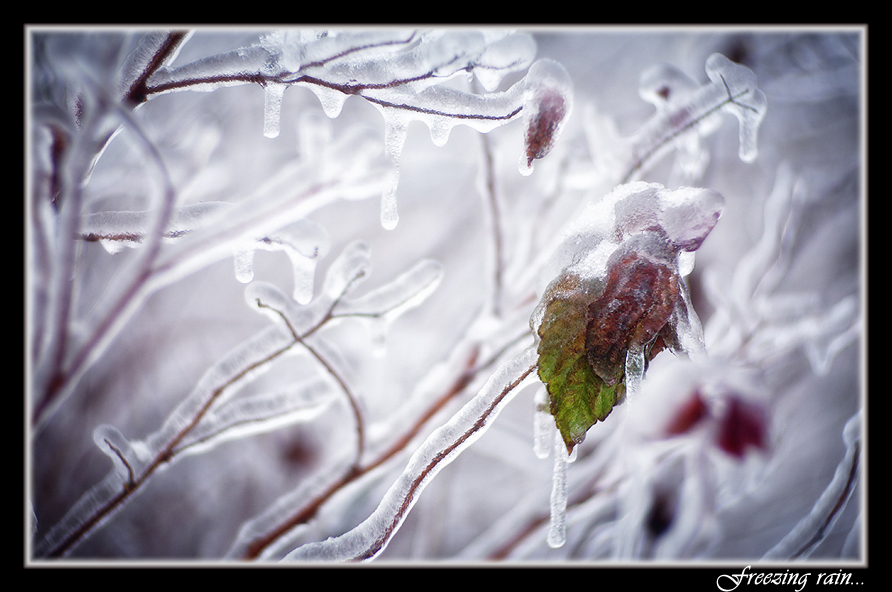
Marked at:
<point>394,139</point>
<point>557,534</point>
<point>272,108</point>
<point>634,371</point>
<point>304,269</point>
<point>543,425</point>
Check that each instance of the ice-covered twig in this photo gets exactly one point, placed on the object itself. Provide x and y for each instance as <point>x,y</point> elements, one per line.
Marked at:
<point>154,50</point>
<point>683,110</point>
<point>401,74</point>
<point>202,420</point>
<point>269,532</point>
<point>814,528</point>
<point>159,450</point>
<point>370,538</point>
<point>69,354</point>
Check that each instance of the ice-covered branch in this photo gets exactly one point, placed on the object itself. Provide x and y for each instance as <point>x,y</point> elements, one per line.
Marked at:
<point>813,528</point>
<point>154,51</point>
<point>146,457</point>
<point>371,537</point>
<point>401,74</point>
<point>207,417</point>
<point>685,113</point>
<point>67,358</point>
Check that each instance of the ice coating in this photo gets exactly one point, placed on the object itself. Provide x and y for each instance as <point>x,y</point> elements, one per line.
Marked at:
<point>745,100</point>
<point>351,267</point>
<point>439,449</point>
<point>128,457</point>
<point>617,298</point>
<point>116,230</point>
<point>301,402</point>
<point>503,55</point>
<point>397,296</point>
<point>304,242</point>
<point>684,217</point>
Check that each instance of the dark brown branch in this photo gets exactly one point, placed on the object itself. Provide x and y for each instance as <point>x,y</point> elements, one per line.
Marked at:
<point>351,398</point>
<point>139,92</point>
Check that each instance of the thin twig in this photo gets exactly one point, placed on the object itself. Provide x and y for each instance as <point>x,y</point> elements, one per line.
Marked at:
<point>351,398</point>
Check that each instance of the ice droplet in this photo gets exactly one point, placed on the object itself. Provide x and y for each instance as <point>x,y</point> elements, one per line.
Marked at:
<point>244,265</point>
<point>332,101</point>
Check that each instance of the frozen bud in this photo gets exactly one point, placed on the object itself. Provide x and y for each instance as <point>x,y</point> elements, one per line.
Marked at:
<point>548,100</point>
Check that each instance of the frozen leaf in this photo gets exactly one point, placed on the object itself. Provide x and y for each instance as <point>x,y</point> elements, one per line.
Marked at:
<point>578,397</point>
<point>620,301</point>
